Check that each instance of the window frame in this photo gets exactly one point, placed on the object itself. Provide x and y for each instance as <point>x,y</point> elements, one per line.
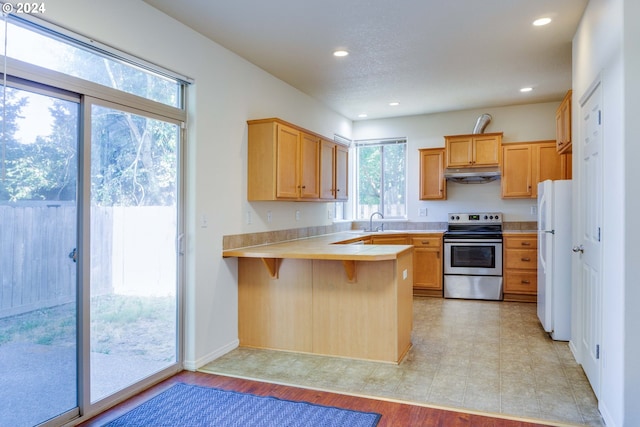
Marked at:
<point>382,142</point>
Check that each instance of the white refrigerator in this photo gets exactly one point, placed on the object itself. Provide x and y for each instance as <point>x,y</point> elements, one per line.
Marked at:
<point>554,258</point>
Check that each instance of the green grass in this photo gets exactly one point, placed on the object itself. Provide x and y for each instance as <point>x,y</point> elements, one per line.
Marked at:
<point>120,324</point>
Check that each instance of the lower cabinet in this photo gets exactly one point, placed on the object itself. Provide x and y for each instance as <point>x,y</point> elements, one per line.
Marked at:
<point>520,267</point>
<point>427,264</point>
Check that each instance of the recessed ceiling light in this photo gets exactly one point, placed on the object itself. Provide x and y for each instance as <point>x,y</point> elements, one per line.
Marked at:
<point>394,104</point>
<point>363,115</point>
<point>542,21</point>
<point>340,53</point>
<point>526,89</point>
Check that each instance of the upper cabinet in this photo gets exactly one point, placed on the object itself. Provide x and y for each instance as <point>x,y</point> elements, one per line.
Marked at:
<point>286,162</point>
<point>524,165</point>
<point>334,161</point>
<point>476,150</point>
<point>563,125</point>
<point>432,183</point>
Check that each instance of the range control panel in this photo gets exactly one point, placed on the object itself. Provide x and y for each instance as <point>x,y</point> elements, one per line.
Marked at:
<point>476,218</point>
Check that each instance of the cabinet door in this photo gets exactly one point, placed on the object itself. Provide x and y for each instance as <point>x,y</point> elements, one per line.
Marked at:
<point>327,177</point>
<point>309,166</point>
<point>287,155</point>
<point>563,125</point>
<point>548,164</point>
<point>341,172</point>
<point>486,150</point>
<point>516,170</point>
<point>432,182</point>
<point>459,151</point>
<point>427,268</point>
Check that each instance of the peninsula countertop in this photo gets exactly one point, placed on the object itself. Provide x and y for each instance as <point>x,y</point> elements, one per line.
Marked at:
<point>328,247</point>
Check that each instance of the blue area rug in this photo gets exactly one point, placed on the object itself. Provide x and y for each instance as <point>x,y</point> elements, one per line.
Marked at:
<point>194,406</point>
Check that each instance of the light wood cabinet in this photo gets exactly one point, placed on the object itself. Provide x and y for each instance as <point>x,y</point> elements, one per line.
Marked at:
<point>524,165</point>
<point>377,239</point>
<point>334,168</point>
<point>427,264</point>
<point>563,125</point>
<point>477,150</point>
<point>432,183</point>
<point>286,162</point>
<point>520,267</point>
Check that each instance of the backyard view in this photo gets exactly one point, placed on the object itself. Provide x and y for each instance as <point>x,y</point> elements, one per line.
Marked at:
<point>111,282</point>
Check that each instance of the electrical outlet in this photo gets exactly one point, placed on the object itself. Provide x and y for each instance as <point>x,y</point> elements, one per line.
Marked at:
<point>269,217</point>
<point>423,211</point>
<point>329,215</point>
<point>534,210</point>
<point>204,221</point>
<point>249,217</point>
<point>297,215</point>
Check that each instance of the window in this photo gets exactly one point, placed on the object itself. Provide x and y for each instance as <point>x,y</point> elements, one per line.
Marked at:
<point>88,60</point>
<point>381,178</point>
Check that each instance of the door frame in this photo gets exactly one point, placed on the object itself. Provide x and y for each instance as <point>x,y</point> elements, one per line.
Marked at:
<point>87,408</point>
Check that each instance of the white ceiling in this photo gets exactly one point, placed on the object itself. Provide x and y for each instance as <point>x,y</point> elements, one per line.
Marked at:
<point>428,55</point>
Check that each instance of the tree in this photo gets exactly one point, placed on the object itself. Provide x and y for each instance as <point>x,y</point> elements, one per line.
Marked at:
<point>10,188</point>
<point>134,158</point>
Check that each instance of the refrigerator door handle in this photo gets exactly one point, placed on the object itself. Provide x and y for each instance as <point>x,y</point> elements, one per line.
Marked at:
<point>550,231</point>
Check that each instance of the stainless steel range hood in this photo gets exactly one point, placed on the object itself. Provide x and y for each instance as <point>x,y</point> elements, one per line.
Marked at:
<point>472,175</point>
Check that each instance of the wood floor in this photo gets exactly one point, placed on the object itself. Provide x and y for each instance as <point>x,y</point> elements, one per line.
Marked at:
<point>393,414</point>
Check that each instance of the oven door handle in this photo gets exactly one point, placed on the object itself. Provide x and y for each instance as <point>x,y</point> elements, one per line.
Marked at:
<point>476,241</point>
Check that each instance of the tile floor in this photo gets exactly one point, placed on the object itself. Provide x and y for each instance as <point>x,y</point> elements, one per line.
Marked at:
<point>479,355</point>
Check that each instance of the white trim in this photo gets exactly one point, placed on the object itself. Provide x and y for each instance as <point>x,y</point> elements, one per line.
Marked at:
<point>55,79</point>
<point>194,365</point>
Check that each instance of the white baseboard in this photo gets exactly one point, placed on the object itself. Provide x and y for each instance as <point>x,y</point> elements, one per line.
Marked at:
<point>193,365</point>
<point>574,350</point>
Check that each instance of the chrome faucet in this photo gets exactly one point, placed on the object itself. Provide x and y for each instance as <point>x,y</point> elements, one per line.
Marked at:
<point>381,228</point>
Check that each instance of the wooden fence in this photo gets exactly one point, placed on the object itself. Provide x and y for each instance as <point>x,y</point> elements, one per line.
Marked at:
<point>132,252</point>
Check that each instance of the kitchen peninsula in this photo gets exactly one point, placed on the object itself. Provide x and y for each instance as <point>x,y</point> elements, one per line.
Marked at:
<point>316,295</point>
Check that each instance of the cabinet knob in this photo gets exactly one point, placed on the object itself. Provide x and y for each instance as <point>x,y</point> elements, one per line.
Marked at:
<point>525,259</point>
<point>525,282</point>
<point>425,242</point>
<point>525,243</point>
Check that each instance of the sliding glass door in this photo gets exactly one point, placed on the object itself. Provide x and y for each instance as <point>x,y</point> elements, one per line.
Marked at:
<point>38,235</point>
<point>133,237</point>
<point>90,224</point>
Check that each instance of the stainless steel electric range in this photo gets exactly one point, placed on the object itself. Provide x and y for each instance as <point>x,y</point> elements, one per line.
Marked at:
<point>473,256</point>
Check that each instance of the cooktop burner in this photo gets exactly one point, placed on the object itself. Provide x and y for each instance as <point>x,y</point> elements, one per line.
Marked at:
<point>484,225</point>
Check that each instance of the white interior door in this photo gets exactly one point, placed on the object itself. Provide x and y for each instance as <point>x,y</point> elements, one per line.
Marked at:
<point>590,245</point>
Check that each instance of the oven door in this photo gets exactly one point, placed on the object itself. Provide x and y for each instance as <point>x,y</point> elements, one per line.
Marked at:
<point>475,257</point>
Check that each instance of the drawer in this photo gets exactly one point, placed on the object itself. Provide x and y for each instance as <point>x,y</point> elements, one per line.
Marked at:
<point>389,240</point>
<point>516,242</point>
<point>426,241</point>
<point>521,282</point>
<point>521,258</point>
